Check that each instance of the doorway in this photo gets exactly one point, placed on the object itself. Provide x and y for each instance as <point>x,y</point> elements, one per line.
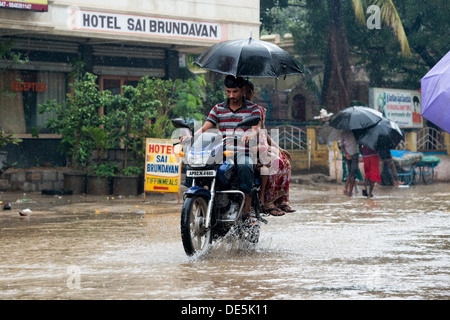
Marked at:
<point>115,84</point>
<point>299,108</point>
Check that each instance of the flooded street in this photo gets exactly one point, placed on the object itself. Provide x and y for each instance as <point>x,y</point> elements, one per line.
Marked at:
<point>395,246</point>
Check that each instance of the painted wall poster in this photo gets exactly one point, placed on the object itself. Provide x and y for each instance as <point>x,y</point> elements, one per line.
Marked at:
<point>401,106</point>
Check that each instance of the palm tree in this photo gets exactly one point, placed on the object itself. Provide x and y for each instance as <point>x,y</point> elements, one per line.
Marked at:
<point>338,77</point>
<point>389,16</point>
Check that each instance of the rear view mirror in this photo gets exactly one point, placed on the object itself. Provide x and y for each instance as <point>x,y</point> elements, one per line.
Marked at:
<point>249,121</point>
<point>180,123</point>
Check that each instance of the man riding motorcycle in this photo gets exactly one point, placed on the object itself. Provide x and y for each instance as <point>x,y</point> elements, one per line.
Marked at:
<point>226,116</point>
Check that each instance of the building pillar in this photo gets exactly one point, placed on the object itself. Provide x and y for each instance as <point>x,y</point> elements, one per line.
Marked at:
<point>311,144</point>
<point>311,135</point>
<point>447,141</point>
<point>411,140</point>
<point>172,64</point>
<point>87,56</point>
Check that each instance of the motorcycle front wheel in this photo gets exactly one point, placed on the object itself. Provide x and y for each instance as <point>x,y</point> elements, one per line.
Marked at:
<point>195,237</point>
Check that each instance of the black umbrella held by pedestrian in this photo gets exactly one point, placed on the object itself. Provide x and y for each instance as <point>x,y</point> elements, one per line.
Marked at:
<point>248,58</point>
<point>385,135</point>
<point>354,118</point>
<point>328,133</point>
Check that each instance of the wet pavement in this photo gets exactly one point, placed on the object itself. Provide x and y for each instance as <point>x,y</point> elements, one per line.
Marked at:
<point>395,246</point>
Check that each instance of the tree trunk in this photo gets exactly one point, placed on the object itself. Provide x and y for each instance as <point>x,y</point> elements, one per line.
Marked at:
<point>337,85</point>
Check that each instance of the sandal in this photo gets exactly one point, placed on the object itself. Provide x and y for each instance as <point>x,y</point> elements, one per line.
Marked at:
<point>274,211</point>
<point>287,208</point>
<point>251,220</point>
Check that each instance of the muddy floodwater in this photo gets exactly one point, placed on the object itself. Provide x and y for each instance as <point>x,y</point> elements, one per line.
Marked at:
<point>395,246</point>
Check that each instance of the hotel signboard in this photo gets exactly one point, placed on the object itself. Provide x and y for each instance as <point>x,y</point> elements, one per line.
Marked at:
<point>119,23</point>
<point>162,167</point>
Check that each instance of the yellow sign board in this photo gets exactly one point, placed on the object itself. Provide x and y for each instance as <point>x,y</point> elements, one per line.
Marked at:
<point>162,166</point>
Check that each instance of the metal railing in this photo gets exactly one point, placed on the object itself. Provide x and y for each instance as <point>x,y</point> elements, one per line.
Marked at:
<point>430,139</point>
<point>401,145</point>
<point>291,137</point>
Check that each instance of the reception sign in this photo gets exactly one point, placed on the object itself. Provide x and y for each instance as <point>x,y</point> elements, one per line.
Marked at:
<point>162,167</point>
<point>401,106</point>
<point>34,5</point>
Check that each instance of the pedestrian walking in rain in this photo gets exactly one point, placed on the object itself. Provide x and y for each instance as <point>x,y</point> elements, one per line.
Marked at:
<point>350,149</point>
<point>371,161</point>
<point>386,158</point>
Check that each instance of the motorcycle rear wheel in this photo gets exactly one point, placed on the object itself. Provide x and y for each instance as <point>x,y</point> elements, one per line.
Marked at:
<point>195,237</point>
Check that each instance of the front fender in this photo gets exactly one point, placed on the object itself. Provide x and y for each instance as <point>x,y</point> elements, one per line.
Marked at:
<point>197,191</point>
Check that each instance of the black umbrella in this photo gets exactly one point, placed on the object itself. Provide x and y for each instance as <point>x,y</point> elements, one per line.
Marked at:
<point>248,58</point>
<point>385,135</point>
<point>354,118</point>
<point>328,133</point>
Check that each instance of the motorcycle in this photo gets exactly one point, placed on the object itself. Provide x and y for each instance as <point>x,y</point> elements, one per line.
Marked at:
<point>213,204</point>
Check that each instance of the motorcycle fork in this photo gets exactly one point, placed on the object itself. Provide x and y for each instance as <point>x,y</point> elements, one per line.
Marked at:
<point>210,204</point>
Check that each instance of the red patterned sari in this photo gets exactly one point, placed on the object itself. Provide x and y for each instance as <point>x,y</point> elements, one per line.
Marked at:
<point>277,189</point>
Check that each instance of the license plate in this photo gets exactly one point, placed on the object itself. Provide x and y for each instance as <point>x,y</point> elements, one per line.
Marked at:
<point>200,173</point>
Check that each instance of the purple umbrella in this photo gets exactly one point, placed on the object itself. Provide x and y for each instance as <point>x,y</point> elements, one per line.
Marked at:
<point>436,94</point>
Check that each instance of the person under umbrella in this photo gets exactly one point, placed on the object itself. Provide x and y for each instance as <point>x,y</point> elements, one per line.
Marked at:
<point>371,161</point>
<point>354,118</point>
<point>239,59</point>
<point>386,134</point>
<point>387,161</point>
<point>382,137</point>
<point>350,149</point>
<point>327,133</point>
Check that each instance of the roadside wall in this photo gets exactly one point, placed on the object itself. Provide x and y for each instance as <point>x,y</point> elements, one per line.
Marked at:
<point>317,158</point>
<point>33,180</point>
<point>312,160</point>
<point>441,172</point>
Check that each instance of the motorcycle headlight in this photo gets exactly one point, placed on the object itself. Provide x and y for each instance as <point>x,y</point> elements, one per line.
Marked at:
<point>198,159</point>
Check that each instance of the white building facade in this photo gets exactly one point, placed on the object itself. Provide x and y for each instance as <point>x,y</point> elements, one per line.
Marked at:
<point>118,40</point>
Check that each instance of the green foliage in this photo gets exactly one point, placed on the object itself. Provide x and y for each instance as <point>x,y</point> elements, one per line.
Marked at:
<point>100,138</point>
<point>78,112</point>
<point>146,109</point>
<point>104,170</point>
<point>128,118</point>
<point>140,112</point>
<point>6,53</point>
<point>9,59</point>
<point>7,138</point>
<point>214,94</point>
<point>378,51</point>
<point>272,14</point>
<point>176,98</point>
<point>133,171</point>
